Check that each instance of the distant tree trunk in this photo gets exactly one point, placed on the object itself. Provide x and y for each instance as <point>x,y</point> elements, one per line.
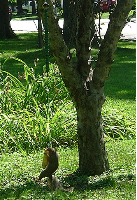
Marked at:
<point>70,20</point>
<point>33,7</point>
<point>5,28</point>
<point>13,6</point>
<point>40,17</point>
<point>19,5</point>
<point>40,35</point>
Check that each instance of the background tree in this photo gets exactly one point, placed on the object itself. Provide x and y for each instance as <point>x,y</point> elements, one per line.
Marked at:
<point>19,5</point>
<point>85,83</point>
<point>33,7</point>
<point>70,20</point>
<point>40,34</point>
<point>5,28</point>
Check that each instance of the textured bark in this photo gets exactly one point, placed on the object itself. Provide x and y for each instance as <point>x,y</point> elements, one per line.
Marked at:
<point>86,86</point>
<point>92,154</point>
<point>5,28</point>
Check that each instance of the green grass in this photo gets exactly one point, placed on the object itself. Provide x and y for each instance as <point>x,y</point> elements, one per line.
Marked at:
<point>120,106</point>
<point>26,44</point>
<point>18,170</point>
<point>27,16</point>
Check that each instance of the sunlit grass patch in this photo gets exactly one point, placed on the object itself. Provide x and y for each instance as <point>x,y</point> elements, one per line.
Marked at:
<point>17,171</point>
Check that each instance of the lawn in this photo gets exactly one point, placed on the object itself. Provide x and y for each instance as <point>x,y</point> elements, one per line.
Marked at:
<point>31,118</point>
<point>18,170</point>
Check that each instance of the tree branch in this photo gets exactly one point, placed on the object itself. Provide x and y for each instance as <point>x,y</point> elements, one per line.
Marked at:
<point>62,54</point>
<point>109,44</point>
<point>84,35</point>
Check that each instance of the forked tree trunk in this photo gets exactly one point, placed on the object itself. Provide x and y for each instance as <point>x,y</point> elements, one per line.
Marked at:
<point>86,86</point>
<point>89,100</point>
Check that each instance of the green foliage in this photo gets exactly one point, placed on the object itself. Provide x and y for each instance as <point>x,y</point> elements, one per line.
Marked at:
<point>134,6</point>
<point>116,126</point>
<point>33,113</point>
<point>12,1</point>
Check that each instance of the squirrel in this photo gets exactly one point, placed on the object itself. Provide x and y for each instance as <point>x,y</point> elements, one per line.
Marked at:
<point>51,163</point>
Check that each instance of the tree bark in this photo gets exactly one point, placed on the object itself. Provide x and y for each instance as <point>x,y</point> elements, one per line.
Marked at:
<point>92,154</point>
<point>86,85</point>
<point>5,28</point>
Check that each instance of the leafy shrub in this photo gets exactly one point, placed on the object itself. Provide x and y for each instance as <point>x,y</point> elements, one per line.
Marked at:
<point>29,110</point>
<point>117,125</point>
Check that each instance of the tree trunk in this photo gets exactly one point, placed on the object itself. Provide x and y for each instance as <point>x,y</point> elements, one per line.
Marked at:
<point>40,35</point>
<point>40,20</point>
<point>86,85</point>
<point>5,28</point>
<point>92,154</point>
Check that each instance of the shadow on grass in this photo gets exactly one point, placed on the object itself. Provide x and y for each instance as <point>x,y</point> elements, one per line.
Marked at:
<point>23,43</point>
<point>94,183</point>
<point>28,187</point>
<point>37,189</point>
<point>83,182</point>
<point>80,183</point>
<point>25,48</point>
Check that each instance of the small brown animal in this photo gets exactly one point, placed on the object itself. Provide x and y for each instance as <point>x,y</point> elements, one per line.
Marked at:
<point>50,160</point>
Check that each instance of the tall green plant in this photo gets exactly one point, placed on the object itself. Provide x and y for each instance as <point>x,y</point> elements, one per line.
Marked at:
<point>29,108</point>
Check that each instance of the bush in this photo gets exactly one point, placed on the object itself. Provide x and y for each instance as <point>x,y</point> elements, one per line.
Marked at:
<point>30,108</point>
